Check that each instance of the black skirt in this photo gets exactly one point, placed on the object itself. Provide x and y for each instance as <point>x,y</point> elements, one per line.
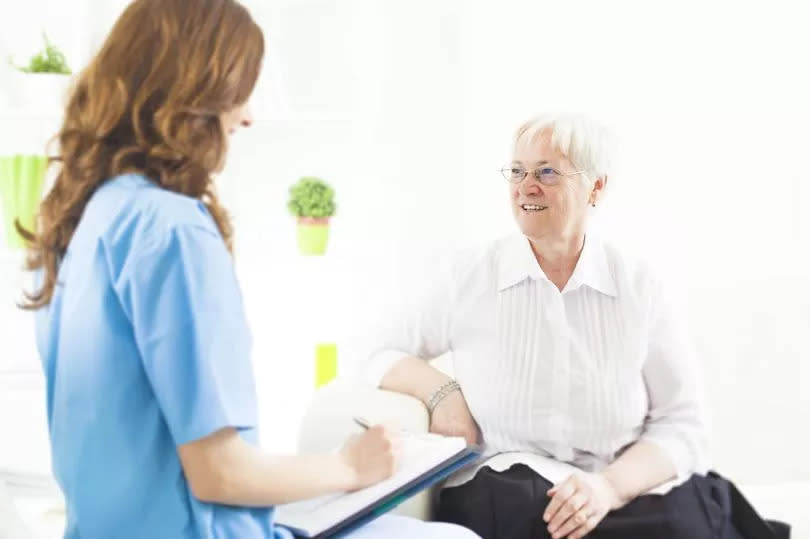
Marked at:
<point>510,505</point>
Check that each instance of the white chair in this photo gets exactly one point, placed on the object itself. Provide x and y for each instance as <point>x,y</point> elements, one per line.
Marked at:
<point>328,422</point>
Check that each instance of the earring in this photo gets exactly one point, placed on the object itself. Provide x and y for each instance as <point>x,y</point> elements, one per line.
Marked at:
<point>593,204</point>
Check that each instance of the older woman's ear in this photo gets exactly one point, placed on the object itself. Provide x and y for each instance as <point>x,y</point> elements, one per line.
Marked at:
<point>598,185</point>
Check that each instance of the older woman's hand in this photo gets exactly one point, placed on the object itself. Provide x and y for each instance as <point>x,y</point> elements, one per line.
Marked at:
<point>452,417</point>
<point>579,503</point>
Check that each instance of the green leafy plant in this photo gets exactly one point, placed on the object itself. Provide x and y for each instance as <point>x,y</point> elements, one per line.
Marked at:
<point>50,60</point>
<point>311,197</point>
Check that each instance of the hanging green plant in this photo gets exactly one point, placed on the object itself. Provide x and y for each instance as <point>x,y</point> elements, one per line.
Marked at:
<point>49,60</point>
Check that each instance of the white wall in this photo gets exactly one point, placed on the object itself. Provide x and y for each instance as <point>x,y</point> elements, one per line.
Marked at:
<point>408,109</point>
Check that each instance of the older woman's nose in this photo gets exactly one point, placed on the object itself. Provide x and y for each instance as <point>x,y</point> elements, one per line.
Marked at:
<point>530,186</point>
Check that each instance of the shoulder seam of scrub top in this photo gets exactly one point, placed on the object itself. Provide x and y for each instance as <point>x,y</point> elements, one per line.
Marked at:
<point>157,244</point>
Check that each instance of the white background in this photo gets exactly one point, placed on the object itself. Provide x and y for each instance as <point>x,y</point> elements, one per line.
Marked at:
<point>408,108</point>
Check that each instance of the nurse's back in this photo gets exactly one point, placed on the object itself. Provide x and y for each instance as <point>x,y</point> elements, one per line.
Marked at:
<point>113,451</point>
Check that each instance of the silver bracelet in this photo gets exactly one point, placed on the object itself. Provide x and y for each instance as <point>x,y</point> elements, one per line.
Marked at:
<point>440,394</point>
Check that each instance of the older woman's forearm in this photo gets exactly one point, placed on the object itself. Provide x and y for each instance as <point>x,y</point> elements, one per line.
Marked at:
<point>415,377</point>
<point>642,467</point>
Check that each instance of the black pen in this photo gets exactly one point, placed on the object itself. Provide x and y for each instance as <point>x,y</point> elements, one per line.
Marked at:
<point>362,422</point>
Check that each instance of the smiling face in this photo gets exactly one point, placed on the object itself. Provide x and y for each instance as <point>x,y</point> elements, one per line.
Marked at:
<point>553,213</point>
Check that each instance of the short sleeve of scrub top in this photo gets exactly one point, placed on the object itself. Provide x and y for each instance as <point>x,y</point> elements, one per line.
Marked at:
<point>185,306</point>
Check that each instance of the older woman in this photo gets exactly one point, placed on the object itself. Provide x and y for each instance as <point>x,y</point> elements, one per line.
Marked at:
<point>570,365</point>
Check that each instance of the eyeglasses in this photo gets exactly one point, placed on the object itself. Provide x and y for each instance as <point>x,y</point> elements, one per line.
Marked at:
<point>546,175</point>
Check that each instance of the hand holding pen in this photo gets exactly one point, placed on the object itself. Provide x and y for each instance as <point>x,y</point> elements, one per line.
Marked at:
<point>369,457</point>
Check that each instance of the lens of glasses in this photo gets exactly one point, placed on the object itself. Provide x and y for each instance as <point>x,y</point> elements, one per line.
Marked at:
<point>513,174</point>
<point>547,176</point>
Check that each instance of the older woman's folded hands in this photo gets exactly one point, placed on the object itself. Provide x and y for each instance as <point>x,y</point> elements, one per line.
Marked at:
<point>579,503</point>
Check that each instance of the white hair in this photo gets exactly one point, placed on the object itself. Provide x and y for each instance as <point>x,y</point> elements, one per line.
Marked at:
<point>586,143</point>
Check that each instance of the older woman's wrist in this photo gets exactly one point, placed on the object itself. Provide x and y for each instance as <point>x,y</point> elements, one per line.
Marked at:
<point>619,495</point>
<point>440,394</point>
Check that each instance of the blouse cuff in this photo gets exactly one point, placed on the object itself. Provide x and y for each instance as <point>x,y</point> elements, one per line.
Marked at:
<point>676,448</point>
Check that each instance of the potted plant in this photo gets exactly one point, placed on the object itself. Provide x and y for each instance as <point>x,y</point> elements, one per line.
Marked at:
<point>21,181</point>
<point>312,203</point>
<point>43,83</point>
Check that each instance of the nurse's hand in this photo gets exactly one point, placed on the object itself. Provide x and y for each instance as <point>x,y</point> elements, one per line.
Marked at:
<point>452,417</point>
<point>370,457</point>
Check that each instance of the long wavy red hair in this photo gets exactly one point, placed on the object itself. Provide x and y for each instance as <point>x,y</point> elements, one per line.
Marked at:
<point>150,102</point>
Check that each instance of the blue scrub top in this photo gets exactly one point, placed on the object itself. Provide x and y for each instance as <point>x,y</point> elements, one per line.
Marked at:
<point>145,347</point>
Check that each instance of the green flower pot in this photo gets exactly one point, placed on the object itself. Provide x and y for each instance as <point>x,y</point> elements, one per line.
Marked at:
<point>325,363</point>
<point>21,180</point>
<point>313,235</point>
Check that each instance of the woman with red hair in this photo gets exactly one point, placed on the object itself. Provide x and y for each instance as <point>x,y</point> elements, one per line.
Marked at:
<point>140,324</point>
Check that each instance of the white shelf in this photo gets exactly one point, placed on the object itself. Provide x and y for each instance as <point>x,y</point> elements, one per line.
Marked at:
<point>11,113</point>
<point>25,131</point>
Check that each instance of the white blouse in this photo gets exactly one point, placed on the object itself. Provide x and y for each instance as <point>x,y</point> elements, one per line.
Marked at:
<point>556,380</point>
